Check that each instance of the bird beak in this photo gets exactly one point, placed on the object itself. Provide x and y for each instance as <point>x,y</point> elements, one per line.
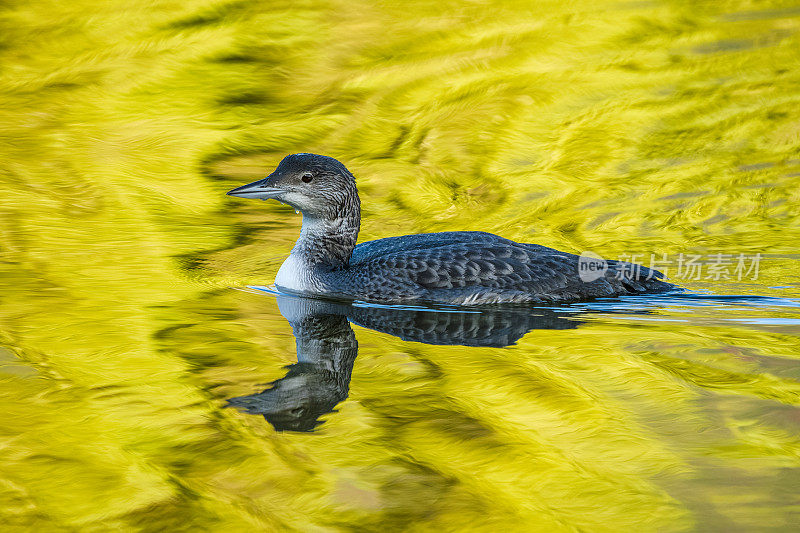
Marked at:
<point>258,190</point>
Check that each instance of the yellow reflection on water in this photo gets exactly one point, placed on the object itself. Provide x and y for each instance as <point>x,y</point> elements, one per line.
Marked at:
<point>618,127</point>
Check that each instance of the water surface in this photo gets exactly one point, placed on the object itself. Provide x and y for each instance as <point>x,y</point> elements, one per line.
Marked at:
<point>664,131</point>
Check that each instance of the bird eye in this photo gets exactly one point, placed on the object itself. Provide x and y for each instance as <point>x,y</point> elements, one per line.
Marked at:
<point>307,177</point>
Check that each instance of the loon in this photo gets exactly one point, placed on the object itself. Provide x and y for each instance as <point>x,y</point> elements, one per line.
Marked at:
<point>458,267</point>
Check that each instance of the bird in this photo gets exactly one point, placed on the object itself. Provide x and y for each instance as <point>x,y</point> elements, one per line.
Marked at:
<point>462,268</point>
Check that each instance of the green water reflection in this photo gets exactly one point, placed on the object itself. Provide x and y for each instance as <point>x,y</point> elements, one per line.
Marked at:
<point>617,127</point>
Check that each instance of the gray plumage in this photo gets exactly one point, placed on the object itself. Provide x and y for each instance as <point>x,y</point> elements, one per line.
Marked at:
<point>467,268</point>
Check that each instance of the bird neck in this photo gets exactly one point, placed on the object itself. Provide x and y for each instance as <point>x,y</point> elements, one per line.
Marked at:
<point>328,242</point>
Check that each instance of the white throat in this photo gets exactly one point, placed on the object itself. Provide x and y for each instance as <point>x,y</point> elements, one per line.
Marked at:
<point>297,271</point>
<point>294,274</point>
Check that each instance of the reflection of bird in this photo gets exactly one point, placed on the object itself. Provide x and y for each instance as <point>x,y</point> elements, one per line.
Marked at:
<point>327,349</point>
<point>493,326</point>
<point>462,267</point>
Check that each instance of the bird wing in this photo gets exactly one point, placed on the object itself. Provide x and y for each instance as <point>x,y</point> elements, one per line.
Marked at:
<point>483,266</point>
<point>406,243</point>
